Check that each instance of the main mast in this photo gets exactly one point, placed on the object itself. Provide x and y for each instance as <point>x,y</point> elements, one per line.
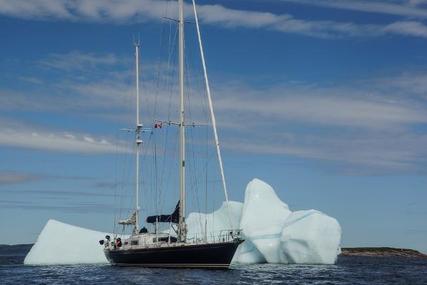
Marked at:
<point>138,140</point>
<point>182,232</point>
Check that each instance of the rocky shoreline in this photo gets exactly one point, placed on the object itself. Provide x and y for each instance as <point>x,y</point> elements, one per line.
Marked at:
<point>381,251</point>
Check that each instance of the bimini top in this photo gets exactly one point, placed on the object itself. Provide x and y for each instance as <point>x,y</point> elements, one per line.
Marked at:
<point>172,218</point>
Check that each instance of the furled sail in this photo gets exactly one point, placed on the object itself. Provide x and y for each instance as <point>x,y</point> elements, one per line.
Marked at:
<point>129,221</point>
<point>172,218</point>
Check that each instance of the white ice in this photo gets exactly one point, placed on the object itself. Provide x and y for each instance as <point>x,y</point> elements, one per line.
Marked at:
<point>310,237</point>
<point>271,231</point>
<point>227,217</point>
<point>60,243</point>
<point>247,253</point>
<point>281,236</point>
<point>263,217</point>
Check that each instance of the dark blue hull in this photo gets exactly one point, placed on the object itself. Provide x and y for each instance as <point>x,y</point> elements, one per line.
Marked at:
<point>209,255</point>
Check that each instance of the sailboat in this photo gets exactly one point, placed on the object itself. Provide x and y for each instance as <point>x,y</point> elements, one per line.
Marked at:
<point>159,249</point>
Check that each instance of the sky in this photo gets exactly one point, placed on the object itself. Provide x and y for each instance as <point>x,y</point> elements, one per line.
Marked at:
<point>325,100</point>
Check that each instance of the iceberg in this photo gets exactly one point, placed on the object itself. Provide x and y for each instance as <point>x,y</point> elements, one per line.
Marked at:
<point>310,237</point>
<point>263,218</point>
<point>272,233</point>
<point>225,218</point>
<point>60,243</point>
<point>247,253</point>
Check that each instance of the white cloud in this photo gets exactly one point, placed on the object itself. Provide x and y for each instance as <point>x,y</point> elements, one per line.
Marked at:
<point>337,106</point>
<point>409,83</point>
<point>10,177</point>
<point>409,28</point>
<point>352,106</point>
<point>76,60</point>
<point>417,2</point>
<point>370,124</point>
<point>32,80</point>
<point>36,9</point>
<point>27,137</point>
<point>362,131</point>
<point>144,10</point>
<point>358,153</point>
<point>76,10</point>
<point>404,8</point>
<point>88,81</point>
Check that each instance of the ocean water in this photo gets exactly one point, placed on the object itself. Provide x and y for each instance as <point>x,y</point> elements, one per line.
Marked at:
<point>348,270</point>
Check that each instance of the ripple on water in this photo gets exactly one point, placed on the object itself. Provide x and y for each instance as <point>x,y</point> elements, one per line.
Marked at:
<point>348,270</point>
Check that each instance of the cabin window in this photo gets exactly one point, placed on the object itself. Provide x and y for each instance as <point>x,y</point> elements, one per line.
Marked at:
<point>134,242</point>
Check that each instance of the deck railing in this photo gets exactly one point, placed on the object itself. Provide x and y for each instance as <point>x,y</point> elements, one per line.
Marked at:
<point>215,237</point>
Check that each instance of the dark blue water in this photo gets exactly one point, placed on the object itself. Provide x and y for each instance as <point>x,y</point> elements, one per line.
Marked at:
<point>348,270</point>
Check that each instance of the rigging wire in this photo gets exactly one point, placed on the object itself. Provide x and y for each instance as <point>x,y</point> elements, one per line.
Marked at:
<point>170,88</point>
<point>157,179</point>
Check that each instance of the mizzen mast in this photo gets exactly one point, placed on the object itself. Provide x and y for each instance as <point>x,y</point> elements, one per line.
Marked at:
<point>138,140</point>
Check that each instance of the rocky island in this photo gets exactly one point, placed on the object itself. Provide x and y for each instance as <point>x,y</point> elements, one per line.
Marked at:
<point>381,251</point>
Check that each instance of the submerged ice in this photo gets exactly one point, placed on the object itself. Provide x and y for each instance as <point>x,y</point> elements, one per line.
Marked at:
<point>272,233</point>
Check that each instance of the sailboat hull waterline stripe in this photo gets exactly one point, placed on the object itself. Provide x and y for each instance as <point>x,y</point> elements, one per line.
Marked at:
<point>177,265</point>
